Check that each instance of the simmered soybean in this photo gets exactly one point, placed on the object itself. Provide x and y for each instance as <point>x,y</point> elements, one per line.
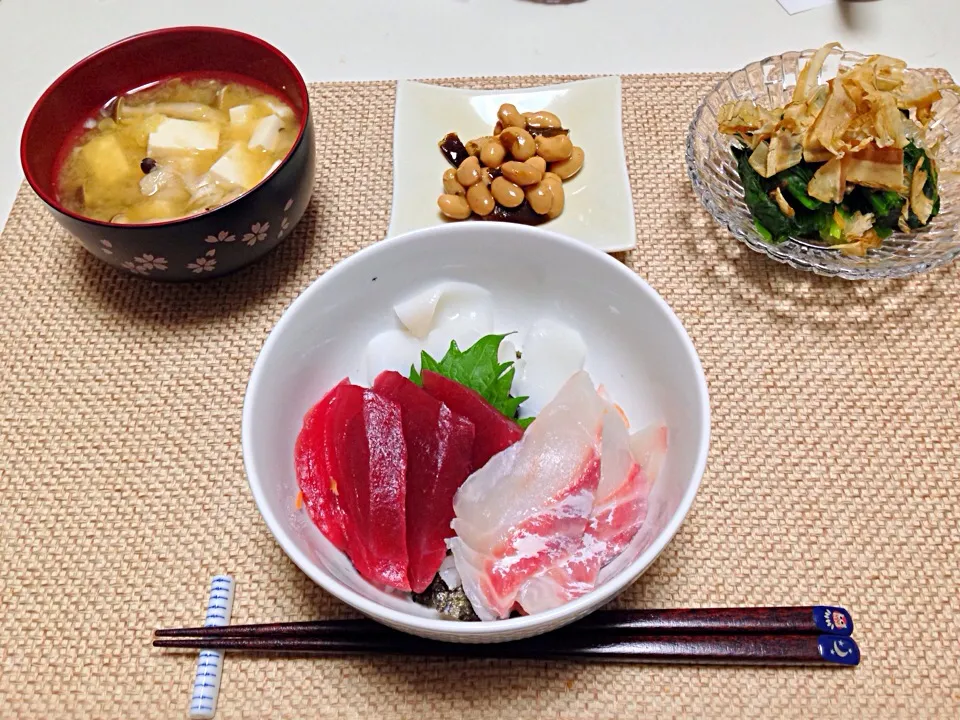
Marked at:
<point>514,175</point>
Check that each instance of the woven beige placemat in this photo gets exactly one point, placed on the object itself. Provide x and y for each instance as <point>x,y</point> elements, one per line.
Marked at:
<point>834,471</point>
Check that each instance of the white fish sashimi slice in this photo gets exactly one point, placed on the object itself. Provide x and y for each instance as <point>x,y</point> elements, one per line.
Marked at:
<point>535,471</point>
<point>448,302</point>
<point>493,580</point>
<point>475,581</point>
<point>617,460</point>
<point>570,578</point>
<point>616,514</point>
<point>649,448</point>
<point>552,352</point>
<point>448,573</point>
<point>527,508</point>
<point>613,537</point>
<point>621,504</point>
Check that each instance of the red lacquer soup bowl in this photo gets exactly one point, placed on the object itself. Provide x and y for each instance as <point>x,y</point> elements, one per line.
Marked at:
<point>202,246</point>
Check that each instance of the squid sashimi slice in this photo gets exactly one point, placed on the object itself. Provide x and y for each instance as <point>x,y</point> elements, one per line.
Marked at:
<point>369,462</point>
<point>314,476</point>
<point>494,431</point>
<point>528,507</point>
<point>439,446</point>
<point>446,303</point>
<point>629,465</point>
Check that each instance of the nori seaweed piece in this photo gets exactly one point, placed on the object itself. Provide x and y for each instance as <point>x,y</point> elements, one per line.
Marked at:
<point>451,604</point>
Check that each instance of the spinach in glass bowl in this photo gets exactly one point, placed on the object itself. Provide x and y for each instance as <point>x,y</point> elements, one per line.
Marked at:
<point>832,133</point>
<point>782,206</point>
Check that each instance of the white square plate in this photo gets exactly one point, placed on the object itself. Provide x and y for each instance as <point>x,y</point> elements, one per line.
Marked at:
<point>599,204</point>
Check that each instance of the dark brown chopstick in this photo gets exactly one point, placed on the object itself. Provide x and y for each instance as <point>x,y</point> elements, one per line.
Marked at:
<point>703,621</point>
<point>313,628</point>
<point>747,649</point>
<point>812,620</point>
<point>736,636</point>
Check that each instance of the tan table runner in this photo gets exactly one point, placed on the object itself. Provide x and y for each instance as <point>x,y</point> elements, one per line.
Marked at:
<point>834,471</point>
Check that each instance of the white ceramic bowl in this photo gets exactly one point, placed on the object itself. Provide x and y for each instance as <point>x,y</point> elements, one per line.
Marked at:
<point>637,348</point>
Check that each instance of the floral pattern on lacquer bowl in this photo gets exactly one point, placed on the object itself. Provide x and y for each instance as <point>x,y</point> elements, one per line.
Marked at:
<point>203,246</point>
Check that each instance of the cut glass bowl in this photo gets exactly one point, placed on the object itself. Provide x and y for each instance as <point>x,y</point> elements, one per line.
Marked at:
<point>770,83</point>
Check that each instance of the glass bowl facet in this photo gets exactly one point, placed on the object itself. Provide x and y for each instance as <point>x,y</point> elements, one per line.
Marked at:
<point>770,83</point>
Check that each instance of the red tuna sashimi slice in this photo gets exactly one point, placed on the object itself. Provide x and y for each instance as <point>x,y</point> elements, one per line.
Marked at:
<point>369,460</point>
<point>619,509</point>
<point>493,431</point>
<point>439,446</point>
<point>314,476</point>
<point>527,509</point>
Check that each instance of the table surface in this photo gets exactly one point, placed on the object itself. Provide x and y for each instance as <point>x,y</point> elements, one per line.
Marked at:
<point>371,39</point>
<point>832,474</point>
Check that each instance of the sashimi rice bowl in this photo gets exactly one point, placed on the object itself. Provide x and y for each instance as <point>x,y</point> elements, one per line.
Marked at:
<point>476,433</point>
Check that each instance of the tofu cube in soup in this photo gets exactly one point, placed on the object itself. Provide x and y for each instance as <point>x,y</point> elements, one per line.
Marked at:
<point>106,160</point>
<point>277,108</point>
<point>178,136</point>
<point>237,167</point>
<point>267,133</point>
<point>242,114</point>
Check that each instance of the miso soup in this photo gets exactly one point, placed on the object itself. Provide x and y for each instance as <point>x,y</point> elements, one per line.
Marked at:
<point>174,149</point>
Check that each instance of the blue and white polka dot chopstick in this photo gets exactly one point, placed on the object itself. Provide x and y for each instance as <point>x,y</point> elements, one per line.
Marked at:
<point>206,684</point>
